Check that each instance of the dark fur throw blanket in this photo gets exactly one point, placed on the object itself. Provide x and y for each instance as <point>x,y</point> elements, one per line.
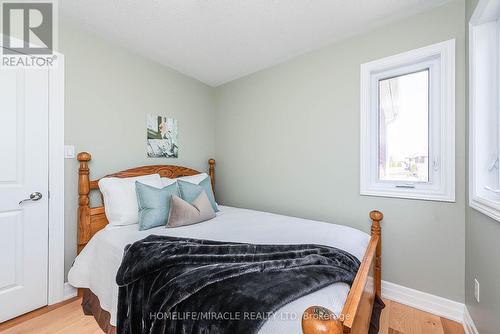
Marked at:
<point>177,285</point>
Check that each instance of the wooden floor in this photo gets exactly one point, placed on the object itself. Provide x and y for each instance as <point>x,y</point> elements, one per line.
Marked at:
<point>401,319</point>
<point>69,318</point>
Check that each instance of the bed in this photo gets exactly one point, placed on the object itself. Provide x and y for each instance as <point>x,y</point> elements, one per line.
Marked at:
<point>101,247</point>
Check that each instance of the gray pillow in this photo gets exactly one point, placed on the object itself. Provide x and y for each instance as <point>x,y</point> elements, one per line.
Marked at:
<point>183,213</point>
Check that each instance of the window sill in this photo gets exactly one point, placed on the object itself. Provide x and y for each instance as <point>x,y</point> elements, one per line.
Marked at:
<point>409,194</point>
<point>485,206</point>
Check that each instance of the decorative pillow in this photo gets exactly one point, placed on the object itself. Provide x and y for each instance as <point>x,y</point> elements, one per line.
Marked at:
<point>190,191</point>
<point>154,204</point>
<point>120,200</point>
<point>183,213</point>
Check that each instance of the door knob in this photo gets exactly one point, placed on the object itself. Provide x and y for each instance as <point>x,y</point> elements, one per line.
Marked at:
<point>33,197</point>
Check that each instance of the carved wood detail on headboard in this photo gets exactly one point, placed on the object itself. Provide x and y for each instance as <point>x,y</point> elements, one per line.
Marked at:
<point>93,219</point>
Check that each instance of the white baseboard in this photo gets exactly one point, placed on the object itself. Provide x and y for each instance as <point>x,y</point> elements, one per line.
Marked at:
<point>424,301</point>
<point>469,325</point>
<point>69,291</point>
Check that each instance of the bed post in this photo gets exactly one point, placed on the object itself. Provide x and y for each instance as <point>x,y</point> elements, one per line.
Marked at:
<point>376,217</point>
<point>211,172</point>
<point>320,320</point>
<point>83,200</point>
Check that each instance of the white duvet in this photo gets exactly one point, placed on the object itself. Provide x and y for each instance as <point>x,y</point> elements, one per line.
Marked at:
<point>96,266</point>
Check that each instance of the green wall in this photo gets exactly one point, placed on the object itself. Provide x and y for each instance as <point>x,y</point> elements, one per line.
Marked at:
<point>288,137</point>
<point>482,249</point>
<point>109,91</point>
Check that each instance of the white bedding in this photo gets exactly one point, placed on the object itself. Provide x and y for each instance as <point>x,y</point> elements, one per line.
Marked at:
<point>96,266</point>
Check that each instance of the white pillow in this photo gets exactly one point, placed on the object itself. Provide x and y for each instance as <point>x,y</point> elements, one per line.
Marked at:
<point>120,199</point>
<point>167,181</point>
<point>195,179</point>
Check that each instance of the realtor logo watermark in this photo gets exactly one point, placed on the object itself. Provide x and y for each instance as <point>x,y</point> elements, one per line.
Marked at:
<point>28,33</point>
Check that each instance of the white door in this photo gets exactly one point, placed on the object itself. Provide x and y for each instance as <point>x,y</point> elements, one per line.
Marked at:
<point>23,171</point>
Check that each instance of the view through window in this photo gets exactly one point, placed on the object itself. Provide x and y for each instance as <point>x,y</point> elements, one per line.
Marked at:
<point>404,128</point>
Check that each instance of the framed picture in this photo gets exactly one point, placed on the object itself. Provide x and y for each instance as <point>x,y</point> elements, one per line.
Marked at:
<point>162,137</point>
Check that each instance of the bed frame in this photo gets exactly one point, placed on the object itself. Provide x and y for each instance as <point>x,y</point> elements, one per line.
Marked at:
<point>357,311</point>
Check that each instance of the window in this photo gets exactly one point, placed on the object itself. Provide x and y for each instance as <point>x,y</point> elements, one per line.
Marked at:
<point>408,124</point>
<point>404,127</point>
<point>484,103</point>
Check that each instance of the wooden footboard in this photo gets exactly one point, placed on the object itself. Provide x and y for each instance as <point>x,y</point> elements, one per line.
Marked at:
<point>357,311</point>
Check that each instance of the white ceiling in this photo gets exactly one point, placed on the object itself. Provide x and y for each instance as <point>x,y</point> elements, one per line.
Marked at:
<point>216,41</point>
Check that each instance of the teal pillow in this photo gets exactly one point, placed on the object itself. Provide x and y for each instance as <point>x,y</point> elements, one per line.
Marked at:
<point>154,204</point>
<point>190,191</point>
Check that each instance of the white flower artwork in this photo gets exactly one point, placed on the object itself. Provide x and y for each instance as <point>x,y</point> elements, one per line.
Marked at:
<point>162,137</point>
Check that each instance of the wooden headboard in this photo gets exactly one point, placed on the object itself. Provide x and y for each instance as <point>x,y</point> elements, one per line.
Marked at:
<point>93,219</point>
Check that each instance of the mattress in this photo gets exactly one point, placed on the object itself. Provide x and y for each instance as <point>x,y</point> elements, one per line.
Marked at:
<point>96,266</point>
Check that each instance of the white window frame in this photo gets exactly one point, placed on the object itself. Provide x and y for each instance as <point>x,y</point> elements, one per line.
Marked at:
<point>484,108</point>
<point>440,59</point>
